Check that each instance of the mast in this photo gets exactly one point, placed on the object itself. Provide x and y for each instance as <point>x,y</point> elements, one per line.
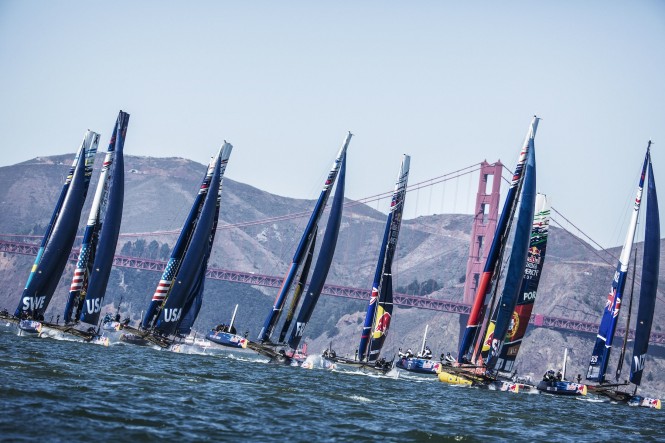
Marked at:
<point>601,351</point>
<point>622,354</point>
<point>103,234</point>
<point>422,348</point>
<point>60,233</point>
<point>323,261</point>
<point>649,280</point>
<point>303,246</point>
<point>518,259</point>
<point>380,307</point>
<point>565,362</point>
<point>498,242</point>
<point>233,317</point>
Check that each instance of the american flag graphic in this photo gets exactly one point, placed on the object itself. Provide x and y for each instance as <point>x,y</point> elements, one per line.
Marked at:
<point>79,273</point>
<point>167,279</point>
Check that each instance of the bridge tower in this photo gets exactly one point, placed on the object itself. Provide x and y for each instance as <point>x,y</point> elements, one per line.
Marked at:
<point>484,224</point>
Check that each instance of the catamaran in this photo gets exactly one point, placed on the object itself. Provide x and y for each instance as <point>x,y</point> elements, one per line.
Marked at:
<point>57,241</point>
<point>297,275</point>
<point>648,289</point>
<point>380,306</point>
<point>179,294</point>
<point>472,366</point>
<point>421,363</point>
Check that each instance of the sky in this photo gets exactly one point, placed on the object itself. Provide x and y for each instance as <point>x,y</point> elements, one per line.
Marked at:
<point>449,83</point>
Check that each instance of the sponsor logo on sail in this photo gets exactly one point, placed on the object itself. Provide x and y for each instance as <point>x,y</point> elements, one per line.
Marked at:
<point>172,314</point>
<point>513,325</point>
<point>638,362</point>
<point>93,306</point>
<point>33,303</point>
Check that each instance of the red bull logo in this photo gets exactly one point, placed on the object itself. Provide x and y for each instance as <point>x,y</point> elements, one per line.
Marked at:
<point>533,255</point>
<point>383,324</point>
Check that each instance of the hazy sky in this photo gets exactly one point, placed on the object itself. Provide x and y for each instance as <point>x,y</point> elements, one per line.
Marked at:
<point>450,83</point>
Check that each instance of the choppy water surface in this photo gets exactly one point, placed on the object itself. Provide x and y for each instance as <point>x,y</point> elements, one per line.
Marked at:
<point>55,390</point>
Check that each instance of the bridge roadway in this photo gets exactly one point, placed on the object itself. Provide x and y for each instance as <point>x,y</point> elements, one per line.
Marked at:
<point>272,281</point>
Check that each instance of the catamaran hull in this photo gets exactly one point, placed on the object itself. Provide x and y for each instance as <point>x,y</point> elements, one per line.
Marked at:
<point>454,379</point>
<point>30,328</point>
<point>645,402</point>
<point>227,339</point>
<point>419,365</point>
<point>346,363</point>
<point>562,388</point>
<point>134,339</point>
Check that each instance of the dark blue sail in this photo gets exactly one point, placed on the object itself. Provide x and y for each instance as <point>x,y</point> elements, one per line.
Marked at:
<point>109,229</point>
<point>649,281</point>
<point>193,306</point>
<point>471,335</point>
<point>299,288</point>
<point>197,251</point>
<point>323,261</point>
<point>517,262</point>
<point>601,351</point>
<point>177,254</point>
<point>380,306</point>
<point>534,266</point>
<point>60,234</point>
<point>303,247</point>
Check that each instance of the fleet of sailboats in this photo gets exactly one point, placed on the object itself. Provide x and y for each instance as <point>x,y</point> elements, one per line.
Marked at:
<point>495,329</point>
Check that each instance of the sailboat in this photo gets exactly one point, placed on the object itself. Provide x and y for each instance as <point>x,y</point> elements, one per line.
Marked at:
<point>177,299</point>
<point>473,367</point>
<point>57,241</point>
<point>95,259</point>
<point>297,275</point>
<point>226,335</point>
<point>421,363</point>
<point>557,384</point>
<point>648,288</point>
<point>380,306</point>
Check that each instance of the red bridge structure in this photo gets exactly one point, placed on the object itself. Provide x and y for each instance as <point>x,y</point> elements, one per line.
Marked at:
<point>537,320</point>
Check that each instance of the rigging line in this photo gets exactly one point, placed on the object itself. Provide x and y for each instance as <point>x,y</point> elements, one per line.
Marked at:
<point>572,224</point>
